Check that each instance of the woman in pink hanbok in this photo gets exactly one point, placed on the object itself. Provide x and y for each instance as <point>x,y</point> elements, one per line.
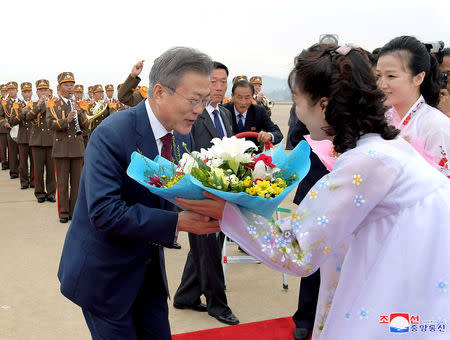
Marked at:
<point>410,78</point>
<point>377,225</point>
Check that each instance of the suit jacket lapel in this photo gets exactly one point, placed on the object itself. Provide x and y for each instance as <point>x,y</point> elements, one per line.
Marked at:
<point>208,123</point>
<point>250,119</point>
<point>226,122</point>
<point>145,139</point>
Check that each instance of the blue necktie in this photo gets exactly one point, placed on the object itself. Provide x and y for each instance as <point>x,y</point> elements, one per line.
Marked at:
<point>217,124</point>
<point>240,124</point>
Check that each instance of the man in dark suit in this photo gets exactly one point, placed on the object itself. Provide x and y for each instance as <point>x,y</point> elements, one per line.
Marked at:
<point>250,117</point>
<point>112,263</point>
<point>203,274</point>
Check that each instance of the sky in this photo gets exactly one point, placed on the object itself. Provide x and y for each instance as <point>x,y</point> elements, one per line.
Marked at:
<point>101,40</point>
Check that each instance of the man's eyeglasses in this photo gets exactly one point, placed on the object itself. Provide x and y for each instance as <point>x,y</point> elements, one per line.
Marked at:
<point>195,103</point>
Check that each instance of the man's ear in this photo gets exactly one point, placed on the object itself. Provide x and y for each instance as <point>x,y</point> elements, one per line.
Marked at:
<point>158,92</point>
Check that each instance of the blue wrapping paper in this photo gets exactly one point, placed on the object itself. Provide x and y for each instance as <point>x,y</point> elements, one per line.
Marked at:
<point>191,188</point>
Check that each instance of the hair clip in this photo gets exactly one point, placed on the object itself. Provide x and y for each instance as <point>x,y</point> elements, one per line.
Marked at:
<point>345,49</point>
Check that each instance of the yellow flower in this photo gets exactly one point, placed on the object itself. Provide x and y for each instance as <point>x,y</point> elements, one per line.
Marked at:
<point>247,181</point>
<point>357,179</point>
<point>251,191</point>
<point>294,216</point>
<point>174,181</point>
<point>326,250</point>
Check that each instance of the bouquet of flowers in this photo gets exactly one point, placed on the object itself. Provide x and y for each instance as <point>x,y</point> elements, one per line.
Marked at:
<point>229,169</point>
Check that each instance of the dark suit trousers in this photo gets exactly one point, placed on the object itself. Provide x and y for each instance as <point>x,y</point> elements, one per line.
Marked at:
<point>42,156</point>
<point>3,148</point>
<point>26,172</point>
<point>67,170</point>
<point>307,301</point>
<point>203,274</point>
<point>13,154</point>
<point>148,318</point>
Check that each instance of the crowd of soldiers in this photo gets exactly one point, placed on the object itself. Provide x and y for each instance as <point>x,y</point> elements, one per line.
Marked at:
<point>47,137</point>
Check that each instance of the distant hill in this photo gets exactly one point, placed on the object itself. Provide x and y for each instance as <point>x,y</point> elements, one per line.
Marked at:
<point>276,89</point>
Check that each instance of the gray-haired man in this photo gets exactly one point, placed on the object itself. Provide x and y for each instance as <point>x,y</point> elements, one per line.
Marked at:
<point>112,264</point>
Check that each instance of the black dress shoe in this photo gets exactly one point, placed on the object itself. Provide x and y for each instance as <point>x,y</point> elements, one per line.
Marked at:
<point>301,333</point>
<point>51,199</point>
<point>201,307</point>
<point>227,318</point>
<point>41,200</point>
<point>64,220</point>
<point>13,176</point>
<point>176,245</point>
<point>23,187</point>
<point>4,167</point>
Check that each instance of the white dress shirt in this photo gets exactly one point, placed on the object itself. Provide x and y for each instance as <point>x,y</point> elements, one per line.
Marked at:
<point>210,110</point>
<point>158,129</point>
<point>244,115</point>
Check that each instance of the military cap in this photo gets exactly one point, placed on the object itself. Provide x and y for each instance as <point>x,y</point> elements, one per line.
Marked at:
<point>109,87</point>
<point>26,86</point>
<point>237,78</point>
<point>42,84</point>
<point>90,88</point>
<point>78,88</point>
<point>12,85</point>
<point>256,80</point>
<point>119,86</point>
<point>97,88</point>
<point>3,87</point>
<point>66,77</point>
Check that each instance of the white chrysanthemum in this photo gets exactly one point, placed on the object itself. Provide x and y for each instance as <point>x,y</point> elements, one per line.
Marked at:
<point>232,150</point>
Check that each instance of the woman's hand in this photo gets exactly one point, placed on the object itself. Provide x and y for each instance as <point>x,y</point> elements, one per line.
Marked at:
<point>212,207</point>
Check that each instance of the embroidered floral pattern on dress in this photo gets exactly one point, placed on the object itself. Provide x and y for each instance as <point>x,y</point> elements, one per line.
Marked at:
<point>357,179</point>
<point>359,199</point>
<point>443,286</point>
<point>323,221</point>
<point>363,314</point>
<point>412,112</point>
<point>313,194</point>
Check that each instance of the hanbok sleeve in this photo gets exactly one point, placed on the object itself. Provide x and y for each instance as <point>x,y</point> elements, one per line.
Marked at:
<point>437,145</point>
<point>331,211</point>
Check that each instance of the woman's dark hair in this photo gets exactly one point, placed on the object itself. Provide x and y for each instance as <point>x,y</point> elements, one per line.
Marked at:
<point>355,104</point>
<point>419,60</point>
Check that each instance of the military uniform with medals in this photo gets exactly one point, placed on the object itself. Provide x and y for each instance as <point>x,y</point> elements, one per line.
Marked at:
<point>68,149</point>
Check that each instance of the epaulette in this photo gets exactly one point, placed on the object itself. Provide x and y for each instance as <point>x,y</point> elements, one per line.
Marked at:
<point>50,103</point>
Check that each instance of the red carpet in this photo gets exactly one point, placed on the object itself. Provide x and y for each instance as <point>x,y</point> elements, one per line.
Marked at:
<point>274,329</point>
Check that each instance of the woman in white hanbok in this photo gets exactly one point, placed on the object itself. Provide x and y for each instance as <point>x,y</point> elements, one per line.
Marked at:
<point>377,225</point>
<point>410,78</point>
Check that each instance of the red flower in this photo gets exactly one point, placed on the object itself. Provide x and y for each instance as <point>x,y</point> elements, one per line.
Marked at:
<point>155,181</point>
<point>443,161</point>
<point>266,159</point>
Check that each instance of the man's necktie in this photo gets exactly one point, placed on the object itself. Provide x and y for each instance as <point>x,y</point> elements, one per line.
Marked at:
<point>240,124</point>
<point>217,124</point>
<point>166,150</point>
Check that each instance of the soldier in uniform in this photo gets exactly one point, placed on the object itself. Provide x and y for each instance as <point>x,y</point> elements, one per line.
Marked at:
<point>98,109</point>
<point>3,130</point>
<point>127,94</point>
<point>26,172</point>
<point>114,104</point>
<point>67,120</point>
<point>41,141</point>
<point>259,96</point>
<point>78,92</point>
<point>10,109</point>
<point>91,93</point>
